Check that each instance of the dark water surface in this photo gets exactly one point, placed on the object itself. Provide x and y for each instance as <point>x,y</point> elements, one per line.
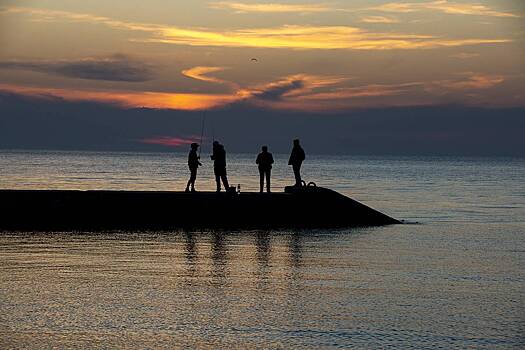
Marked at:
<point>455,280</point>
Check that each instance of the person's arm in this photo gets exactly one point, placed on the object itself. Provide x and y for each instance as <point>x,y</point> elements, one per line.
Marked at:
<point>258,159</point>
<point>271,158</point>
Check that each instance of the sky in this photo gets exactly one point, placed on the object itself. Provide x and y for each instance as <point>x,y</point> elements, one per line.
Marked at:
<point>267,63</point>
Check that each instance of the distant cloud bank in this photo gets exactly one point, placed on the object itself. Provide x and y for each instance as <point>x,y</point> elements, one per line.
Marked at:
<point>114,68</point>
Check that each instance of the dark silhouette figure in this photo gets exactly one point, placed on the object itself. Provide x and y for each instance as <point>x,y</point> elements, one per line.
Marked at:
<point>193,164</point>
<point>265,161</point>
<point>296,159</point>
<point>219,165</point>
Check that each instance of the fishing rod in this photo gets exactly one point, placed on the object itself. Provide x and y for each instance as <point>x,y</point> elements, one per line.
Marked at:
<point>212,131</point>
<point>202,132</point>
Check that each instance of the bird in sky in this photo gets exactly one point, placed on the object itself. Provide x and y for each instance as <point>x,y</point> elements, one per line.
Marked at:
<point>254,60</point>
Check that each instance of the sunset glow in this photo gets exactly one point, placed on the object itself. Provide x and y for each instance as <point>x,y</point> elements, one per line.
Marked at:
<point>345,55</point>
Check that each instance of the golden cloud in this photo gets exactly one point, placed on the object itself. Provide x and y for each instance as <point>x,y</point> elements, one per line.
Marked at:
<point>312,37</point>
<point>287,36</point>
<point>240,7</point>
<point>443,6</point>
<point>379,19</point>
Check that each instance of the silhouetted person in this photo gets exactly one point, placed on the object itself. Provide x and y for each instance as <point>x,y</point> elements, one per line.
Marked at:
<point>193,164</point>
<point>296,159</point>
<point>219,165</point>
<point>265,161</point>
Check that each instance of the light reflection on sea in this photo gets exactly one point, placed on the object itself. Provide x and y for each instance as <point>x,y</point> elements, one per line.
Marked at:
<point>455,280</point>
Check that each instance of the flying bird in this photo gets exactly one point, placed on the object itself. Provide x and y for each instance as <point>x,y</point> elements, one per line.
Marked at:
<point>254,60</point>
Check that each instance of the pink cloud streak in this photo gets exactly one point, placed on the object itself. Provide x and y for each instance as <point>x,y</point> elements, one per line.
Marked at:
<point>169,141</point>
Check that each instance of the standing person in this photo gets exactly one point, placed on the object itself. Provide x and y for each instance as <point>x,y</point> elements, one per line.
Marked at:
<point>193,164</point>
<point>219,165</point>
<point>265,161</point>
<point>296,159</point>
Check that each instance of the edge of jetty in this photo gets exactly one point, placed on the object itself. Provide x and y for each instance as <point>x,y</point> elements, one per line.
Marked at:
<point>99,210</point>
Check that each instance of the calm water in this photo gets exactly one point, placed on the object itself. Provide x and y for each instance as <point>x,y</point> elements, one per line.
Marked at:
<point>454,280</point>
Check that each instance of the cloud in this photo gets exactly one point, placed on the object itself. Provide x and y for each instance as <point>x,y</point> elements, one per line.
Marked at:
<point>291,86</point>
<point>130,99</point>
<point>277,90</point>
<point>312,37</point>
<point>442,6</point>
<point>372,90</point>
<point>465,55</point>
<point>199,73</point>
<point>299,92</point>
<point>379,19</point>
<point>169,141</point>
<point>337,99</point>
<point>285,37</point>
<point>114,68</point>
<point>304,92</point>
<point>473,81</point>
<point>240,7</point>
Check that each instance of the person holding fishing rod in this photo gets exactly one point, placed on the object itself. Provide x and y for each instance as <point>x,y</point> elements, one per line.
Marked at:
<point>193,164</point>
<point>193,160</point>
<point>219,165</point>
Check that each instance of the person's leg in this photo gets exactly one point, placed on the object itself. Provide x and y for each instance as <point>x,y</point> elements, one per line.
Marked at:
<point>218,180</point>
<point>297,174</point>
<point>261,180</point>
<point>225,180</point>
<point>193,178</point>
<point>189,181</point>
<point>268,175</point>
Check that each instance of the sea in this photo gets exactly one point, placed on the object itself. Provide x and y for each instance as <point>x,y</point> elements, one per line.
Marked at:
<point>451,277</point>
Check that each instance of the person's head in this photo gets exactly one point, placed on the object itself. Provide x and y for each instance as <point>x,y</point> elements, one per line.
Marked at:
<point>215,143</point>
<point>264,148</point>
<point>296,142</point>
<point>194,146</point>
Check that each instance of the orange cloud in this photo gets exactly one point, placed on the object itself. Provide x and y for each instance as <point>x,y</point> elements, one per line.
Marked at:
<point>199,73</point>
<point>295,92</point>
<point>182,101</point>
<point>472,82</point>
<point>286,37</point>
